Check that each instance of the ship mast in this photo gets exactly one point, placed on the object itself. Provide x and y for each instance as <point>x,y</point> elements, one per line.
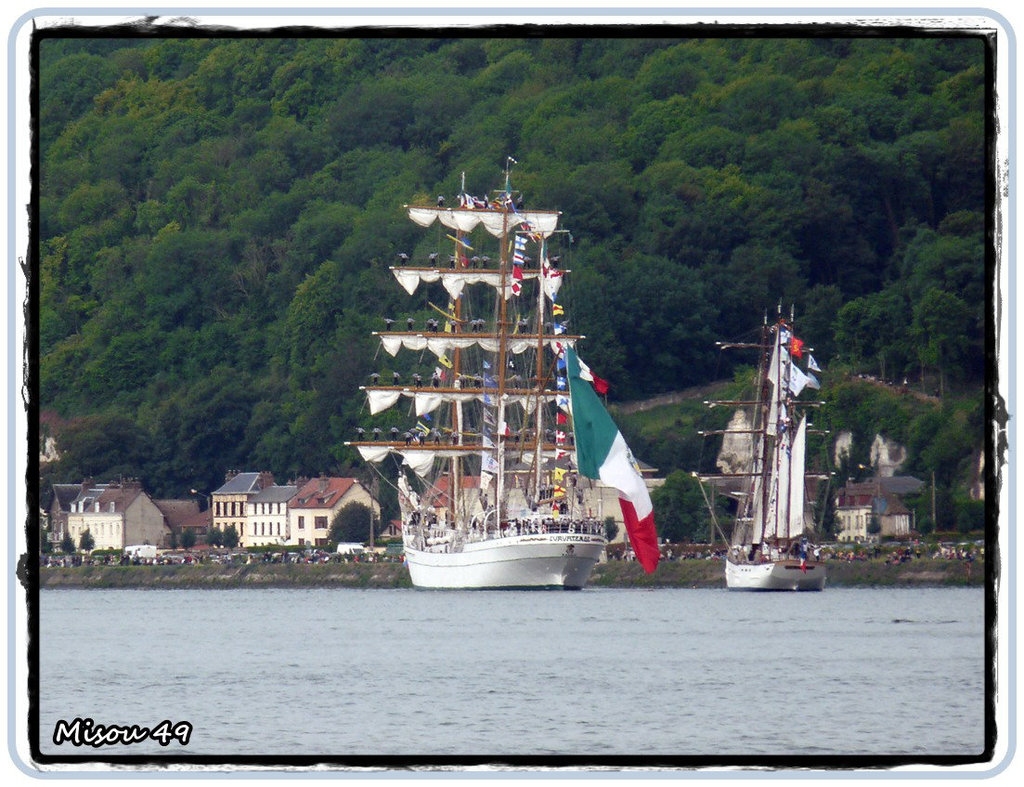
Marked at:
<point>502,331</point>
<point>766,442</point>
<point>538,454</point>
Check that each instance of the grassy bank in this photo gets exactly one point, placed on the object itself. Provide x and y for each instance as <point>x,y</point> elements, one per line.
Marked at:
<point>925,572</point>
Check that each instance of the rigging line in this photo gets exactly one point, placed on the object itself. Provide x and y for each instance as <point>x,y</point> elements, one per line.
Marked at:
<point>711,511</point>
<point>383,477</point>
<point>707,414</point>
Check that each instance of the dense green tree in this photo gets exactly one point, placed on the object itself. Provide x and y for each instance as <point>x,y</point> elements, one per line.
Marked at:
<point>230,537</point>
<point>352,524</point>
<point>217,217</point>
<point>681,512</point>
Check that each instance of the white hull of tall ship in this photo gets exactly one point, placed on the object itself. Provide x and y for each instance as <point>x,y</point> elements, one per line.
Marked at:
<point>531,561</point>
<point>775,575</point>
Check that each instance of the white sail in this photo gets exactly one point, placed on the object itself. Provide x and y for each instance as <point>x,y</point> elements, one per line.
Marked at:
<point>421,462</point>
<point>455,281</point>
<point>467,219</point>
<point>426,400</point>
<point>796,480</point>
<point>373,453</point>
<point>777,378</point>
<point>443,343</point>
<point>381,400</point>
<point>410,279</point>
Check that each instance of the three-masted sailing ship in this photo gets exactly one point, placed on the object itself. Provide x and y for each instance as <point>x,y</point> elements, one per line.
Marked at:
<point>769,547</point>
<point>490,486</point>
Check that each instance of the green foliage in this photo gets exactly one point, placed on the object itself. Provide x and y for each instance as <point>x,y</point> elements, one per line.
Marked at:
<point>230,537</point>
<point>680,511</point>
<point>216,219</point>
<point>352,524</point>
<point>86,542</point>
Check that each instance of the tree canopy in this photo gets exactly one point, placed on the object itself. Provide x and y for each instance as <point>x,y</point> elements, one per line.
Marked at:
<point>217,216</point>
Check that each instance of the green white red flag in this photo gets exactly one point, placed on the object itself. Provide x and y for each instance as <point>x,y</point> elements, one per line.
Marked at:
<point>601,452</point>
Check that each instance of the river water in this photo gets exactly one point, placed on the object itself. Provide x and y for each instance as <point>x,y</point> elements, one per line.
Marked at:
<point>325,673</point>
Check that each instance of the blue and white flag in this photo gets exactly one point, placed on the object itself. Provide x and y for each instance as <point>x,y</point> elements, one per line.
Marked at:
<point>519,256</point>
<point>488,463</point>
<point>812,364</point>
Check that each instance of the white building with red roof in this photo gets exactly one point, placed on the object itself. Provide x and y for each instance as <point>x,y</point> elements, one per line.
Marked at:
<point>313,508</point>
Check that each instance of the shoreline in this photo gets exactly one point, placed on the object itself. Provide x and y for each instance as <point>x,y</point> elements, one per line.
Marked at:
<point>921,572</point>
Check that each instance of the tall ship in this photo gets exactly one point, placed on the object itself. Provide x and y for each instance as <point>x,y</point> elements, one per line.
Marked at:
<point>509,430</point>
<point>769,547</point>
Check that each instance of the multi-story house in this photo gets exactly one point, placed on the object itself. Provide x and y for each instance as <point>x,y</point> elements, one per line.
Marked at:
<point>63,496</point>
<point>266,520</point>
<point>177,513</point>
<point>116,515</point>
<point>876,500</point>
<point>229,501</point>
<point>313,508</point>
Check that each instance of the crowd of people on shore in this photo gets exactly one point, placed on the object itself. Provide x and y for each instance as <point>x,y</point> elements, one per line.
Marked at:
<point>211,557</point>
<point>889,553</point>
<point>892,554</point>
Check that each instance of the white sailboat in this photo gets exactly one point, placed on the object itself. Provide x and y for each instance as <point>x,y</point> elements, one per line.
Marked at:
<point>769,547</point>
<point>490,490</point>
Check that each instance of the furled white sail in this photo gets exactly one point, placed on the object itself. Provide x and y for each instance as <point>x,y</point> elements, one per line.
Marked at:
<point>466,219</point>
<point>381,400</point>
<point>427,400</point>
<point>421,462</point>
<point>442,343</point>
<point>427,403</point>
<point>455,281</point>
<point>373,453</point>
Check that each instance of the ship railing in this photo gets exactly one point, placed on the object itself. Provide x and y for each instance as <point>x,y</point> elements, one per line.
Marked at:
<point>436,537</point>
<point>560,524</point>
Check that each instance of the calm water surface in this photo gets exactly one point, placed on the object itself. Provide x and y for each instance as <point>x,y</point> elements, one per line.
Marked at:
<point>313,672</point>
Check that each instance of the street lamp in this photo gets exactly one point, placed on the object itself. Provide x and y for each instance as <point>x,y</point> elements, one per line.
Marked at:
<point>197,492</point>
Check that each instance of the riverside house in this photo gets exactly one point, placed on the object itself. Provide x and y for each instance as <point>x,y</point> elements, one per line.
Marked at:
<point>116,515</point>
<point>313,508</point>
<point>878,499</point>
<point>60,506</point>
<point>266,520</point>
<point>229,501</point>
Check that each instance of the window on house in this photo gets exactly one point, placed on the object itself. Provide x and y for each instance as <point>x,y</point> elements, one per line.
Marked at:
<point>302,524</point>
<point>320,523</point>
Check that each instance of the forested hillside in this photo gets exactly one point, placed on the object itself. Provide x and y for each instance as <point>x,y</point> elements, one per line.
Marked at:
<point>217,216</point>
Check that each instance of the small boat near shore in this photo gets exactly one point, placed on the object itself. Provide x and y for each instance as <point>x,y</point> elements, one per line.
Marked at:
<point>769,546</point>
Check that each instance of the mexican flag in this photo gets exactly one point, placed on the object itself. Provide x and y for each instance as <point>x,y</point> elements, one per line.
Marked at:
<point>602,453</point>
